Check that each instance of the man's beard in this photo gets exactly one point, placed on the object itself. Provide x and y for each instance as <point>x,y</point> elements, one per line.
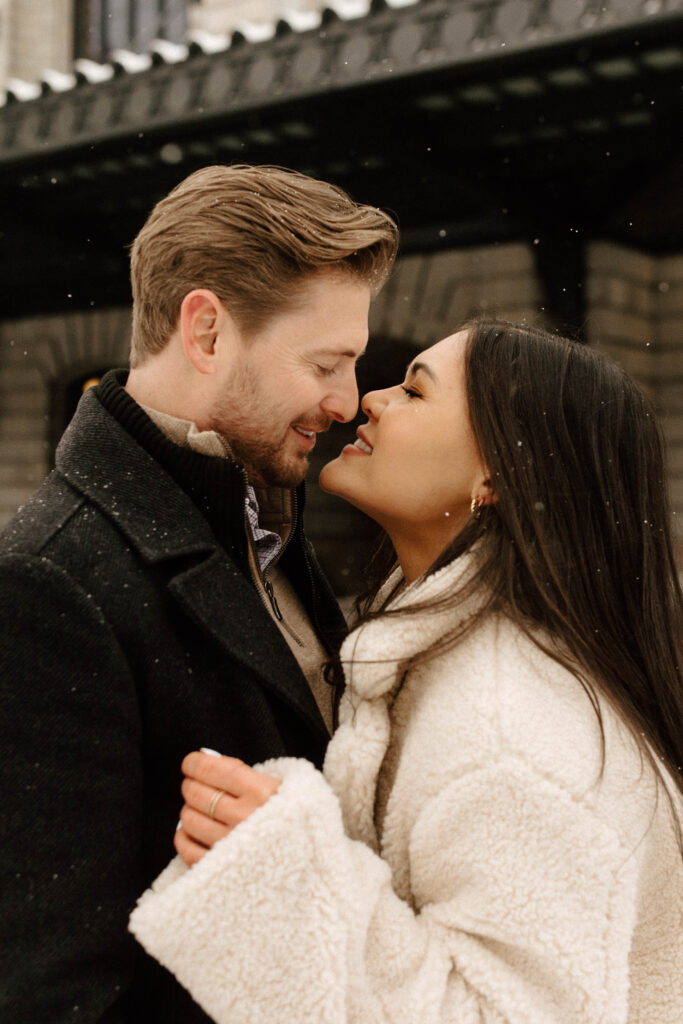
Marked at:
<point>268,465</point>
<point>266,462</point>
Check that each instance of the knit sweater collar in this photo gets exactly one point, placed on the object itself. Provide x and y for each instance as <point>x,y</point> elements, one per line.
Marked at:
<point>216,484</point>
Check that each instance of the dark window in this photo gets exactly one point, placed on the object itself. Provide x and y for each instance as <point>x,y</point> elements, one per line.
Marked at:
<point>101,26</point>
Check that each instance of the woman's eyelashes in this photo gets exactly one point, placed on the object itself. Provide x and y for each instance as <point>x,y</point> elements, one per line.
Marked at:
<point>411,392</point>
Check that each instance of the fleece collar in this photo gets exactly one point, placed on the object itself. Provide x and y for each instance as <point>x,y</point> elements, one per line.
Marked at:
<point>373,656</point>
<point>374,653</point>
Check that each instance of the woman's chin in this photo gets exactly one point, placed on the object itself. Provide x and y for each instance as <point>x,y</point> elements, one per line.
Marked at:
<point>335,479</point>
<point>329,476</point>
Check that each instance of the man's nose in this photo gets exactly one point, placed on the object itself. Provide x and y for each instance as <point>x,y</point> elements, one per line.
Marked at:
<point>341,403</point>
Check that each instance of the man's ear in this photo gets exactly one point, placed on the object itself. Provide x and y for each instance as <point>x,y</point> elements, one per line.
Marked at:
<point>202,316</point>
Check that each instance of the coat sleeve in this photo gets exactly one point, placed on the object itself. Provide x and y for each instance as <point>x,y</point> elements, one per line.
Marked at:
<point>71,801</point>
<point>517,917</point>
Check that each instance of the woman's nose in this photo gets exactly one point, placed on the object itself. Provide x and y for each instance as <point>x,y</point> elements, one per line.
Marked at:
<point>374,402</point>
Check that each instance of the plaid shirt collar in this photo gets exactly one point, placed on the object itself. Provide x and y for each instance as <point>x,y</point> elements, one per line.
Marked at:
<point>266,543</point>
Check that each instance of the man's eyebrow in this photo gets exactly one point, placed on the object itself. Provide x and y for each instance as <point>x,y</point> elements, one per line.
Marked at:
<point>349,353</point>
<point>413,368</point>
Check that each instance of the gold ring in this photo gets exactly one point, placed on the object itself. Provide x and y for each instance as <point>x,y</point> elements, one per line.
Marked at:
<point>213,802</point>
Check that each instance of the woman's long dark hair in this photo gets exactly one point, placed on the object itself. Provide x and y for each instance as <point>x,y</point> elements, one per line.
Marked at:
<point>578,546</point>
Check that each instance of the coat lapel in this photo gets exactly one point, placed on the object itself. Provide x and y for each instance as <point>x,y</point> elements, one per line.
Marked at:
<point>224,603</point>
<point>102,461</point>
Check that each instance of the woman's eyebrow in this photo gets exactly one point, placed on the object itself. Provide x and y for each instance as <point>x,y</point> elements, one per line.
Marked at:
<point>415,367</point>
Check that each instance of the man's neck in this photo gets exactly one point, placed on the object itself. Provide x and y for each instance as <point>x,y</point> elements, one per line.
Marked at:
<point>162,385</point>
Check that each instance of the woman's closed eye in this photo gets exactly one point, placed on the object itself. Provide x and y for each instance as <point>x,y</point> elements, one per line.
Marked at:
<point>410,392</point>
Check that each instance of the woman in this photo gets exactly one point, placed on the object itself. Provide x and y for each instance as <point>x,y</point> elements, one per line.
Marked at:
<point>496,834</point>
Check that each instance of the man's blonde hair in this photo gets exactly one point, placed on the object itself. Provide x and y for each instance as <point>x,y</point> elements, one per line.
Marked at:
<point>251,235</point>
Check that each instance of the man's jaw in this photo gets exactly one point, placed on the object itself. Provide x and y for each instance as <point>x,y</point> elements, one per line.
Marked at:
<point>286,464</point>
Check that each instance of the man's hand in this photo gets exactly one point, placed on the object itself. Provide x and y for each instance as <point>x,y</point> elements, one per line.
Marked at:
<point>219,793</point>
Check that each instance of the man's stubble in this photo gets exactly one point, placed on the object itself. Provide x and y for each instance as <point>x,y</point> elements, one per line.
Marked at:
<point>245,421</point>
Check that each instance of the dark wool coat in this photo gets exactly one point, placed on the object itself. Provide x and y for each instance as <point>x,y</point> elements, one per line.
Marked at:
<point>128,637</point>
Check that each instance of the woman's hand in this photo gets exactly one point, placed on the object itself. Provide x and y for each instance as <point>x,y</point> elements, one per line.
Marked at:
<point>219,793</point>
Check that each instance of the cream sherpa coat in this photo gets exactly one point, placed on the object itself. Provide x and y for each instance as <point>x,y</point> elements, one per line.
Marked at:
<point>509,882</point>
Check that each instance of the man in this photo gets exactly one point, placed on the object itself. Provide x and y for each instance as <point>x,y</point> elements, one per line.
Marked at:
<point>158,593</point>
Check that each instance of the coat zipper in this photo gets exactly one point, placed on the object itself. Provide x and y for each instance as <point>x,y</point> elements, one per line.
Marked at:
<point>268,587</point>
<point>263,576</point>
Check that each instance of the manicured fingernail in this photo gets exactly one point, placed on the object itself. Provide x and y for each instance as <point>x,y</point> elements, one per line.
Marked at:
<point>208,750</point>
<point>179,826</point>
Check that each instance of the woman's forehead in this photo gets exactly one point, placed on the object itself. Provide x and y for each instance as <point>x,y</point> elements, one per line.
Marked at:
<point>445,354</point>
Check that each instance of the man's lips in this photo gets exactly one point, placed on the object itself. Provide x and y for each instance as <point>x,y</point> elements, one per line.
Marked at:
<point>309,429</point>
<point>307,435</point>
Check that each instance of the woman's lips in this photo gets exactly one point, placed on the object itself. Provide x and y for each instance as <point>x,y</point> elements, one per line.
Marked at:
<point>363,442</point>
<point>361,445</point>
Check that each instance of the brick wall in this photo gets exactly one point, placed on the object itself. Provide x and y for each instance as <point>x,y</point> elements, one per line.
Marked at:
<point>35,355</point>
<point>669,304</point>
<point>635,315</point>
<point>429,295</point>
